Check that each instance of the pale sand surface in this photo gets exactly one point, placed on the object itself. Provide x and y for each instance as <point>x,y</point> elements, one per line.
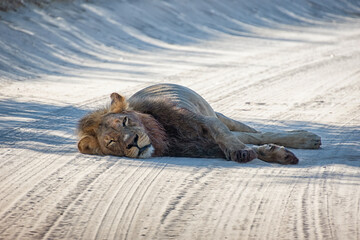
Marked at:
<point>275,65</point>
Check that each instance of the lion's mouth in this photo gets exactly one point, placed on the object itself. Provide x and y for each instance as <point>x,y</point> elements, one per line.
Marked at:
<point>146,151</point>
<point>143,149</point>
<point>140,147</point>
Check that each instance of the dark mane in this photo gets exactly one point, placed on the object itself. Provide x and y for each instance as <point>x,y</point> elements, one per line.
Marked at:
<point>156,133</point>
<point>184,136</point>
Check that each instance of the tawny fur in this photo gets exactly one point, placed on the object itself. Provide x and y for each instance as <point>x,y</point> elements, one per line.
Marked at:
<point>175,121</point>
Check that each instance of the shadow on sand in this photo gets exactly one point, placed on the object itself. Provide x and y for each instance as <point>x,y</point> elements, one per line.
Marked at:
<point>51,129</point>
<point>38,127</point>
<point>104,32</point>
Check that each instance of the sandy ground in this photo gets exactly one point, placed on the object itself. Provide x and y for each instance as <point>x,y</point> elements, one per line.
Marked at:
<point>280,66</point>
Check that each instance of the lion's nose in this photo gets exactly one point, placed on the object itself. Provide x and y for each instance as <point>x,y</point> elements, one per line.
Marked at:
<point>132,142</point>
<point>291,158</point>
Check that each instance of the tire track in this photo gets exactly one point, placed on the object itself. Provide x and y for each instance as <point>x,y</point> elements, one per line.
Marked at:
<point>285,217</point>
<point>301,225</point>
<point>26,174</point>
<point>58,223</point>
<point>177,213</point>
<point>51,192</point>
<point>63,206</point>
<point>245,185</point>
<point>326,216</point>
<point>100,212</point>
<point>258,220</point>
<point>358,218</point>
<point>128,209</point>
<point>172,222</point>
<point>140,201</point>
<point>88,210</point>
<point>42,195</point>
<point>278,191</point>
<point>120,221</point>
<point>115,211</point>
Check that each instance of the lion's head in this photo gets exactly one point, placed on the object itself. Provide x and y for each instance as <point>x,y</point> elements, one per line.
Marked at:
<point>120,131</point>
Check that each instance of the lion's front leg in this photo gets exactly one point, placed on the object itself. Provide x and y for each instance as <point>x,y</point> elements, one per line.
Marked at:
<point>237,155</point>
<point>231,146</point>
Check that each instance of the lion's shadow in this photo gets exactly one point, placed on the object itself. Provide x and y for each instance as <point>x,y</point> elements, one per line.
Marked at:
<point>52,129</point>
<point>340,145</point>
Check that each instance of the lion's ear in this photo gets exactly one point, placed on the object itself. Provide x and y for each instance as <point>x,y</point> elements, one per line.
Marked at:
<point>89,145</point>
<point>118,103</point>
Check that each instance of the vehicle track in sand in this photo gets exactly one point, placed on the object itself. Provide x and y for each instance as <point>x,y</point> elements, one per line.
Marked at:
<point>290,67</point>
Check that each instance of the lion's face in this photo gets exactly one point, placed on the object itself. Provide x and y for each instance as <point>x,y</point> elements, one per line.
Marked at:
<point>121,131</point>
<point>123,134</point>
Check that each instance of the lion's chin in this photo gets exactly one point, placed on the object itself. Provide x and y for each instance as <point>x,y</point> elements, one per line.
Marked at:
<point>147,153</point>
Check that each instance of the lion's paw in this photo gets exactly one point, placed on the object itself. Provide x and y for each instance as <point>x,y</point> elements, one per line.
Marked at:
<point>241,156</point>
<point>276,154</point>
<point>304,139</point>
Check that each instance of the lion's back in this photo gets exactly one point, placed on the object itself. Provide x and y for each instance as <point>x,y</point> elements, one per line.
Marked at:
<point>163,95</point>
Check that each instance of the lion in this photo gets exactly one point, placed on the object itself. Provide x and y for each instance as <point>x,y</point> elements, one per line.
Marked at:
<point>173,120</point>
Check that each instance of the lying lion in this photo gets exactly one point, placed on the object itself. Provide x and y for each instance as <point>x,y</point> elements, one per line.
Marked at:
<point>172,120</point>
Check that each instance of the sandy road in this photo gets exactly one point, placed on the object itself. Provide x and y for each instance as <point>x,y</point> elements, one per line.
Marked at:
<point>284,67</point>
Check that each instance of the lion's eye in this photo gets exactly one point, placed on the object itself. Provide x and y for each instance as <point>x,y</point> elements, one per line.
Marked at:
<point>125,121</point>
<point>110,142</point>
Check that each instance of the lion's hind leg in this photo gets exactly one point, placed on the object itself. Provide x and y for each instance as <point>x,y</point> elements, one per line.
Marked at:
<point>292,139</point>
<point>234,125</point>
<point>275,154</point>
<point>272,148</point>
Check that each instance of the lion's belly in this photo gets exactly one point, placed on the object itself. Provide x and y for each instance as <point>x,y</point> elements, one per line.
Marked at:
<point>171,94</point>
